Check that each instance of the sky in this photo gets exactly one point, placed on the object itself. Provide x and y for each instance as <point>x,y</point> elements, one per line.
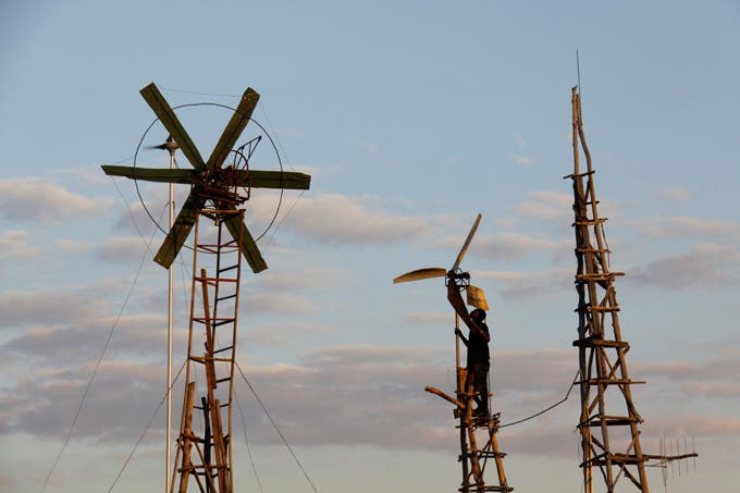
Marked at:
<point>411,117</point>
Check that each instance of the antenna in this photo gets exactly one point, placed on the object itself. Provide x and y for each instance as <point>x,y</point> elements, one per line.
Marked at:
<point>217,192</point>
<point>578,69</point>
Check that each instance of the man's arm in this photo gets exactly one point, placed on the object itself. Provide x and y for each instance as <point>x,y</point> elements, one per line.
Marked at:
<point>453,296</point>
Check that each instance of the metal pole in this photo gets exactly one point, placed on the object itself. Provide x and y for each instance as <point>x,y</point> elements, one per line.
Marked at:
<point>168,447</point>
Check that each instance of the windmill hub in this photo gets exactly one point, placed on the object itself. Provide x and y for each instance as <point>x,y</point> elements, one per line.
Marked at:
<point>219,185</point>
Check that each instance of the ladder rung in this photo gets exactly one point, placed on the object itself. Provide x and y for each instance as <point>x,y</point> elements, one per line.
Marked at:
<point>598,276</point>
<point>609,421</point>
<point>214,320</point>
<point>223,349</point>
<point>589,342</point>
<point>611,381</point>
<point>226,269</point>
<point>593,250</point>
<point>224,298</point>
<point>216,279</point>
<point>225,379</point>
<point>597,308</point>
<point>579,175</point>
<point>590,222</point>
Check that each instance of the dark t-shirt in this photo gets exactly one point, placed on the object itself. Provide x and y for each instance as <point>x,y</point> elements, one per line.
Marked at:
<point>478,354</point>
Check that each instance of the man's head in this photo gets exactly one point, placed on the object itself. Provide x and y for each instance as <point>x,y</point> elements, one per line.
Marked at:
<point>479,315</point>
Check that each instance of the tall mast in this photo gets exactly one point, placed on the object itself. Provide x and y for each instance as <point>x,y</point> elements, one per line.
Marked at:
<point>168,447</point>
<point>610,437</point>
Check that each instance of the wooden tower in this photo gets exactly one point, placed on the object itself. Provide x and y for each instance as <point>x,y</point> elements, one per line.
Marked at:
<point>609,421</point>
<point>215,209</point>
<point>479,448</point>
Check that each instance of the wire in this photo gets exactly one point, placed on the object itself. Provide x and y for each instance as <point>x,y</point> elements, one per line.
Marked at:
<point>95,370</point>
<point>131,216</point>
<point>277,429</point>
<point>285,216</point>
<point>263,108</point>
<point>547,409</point>
<point>148,425</point>
<point>246,440</point>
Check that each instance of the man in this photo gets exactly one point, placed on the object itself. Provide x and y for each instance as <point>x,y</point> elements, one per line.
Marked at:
<point>479,358</point>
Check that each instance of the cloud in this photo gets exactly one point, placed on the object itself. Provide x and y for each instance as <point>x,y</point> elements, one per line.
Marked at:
<point>345,395</point>
<point>672,193</point>
<point>340,219</point>
<point>45,307</point>
<point>141,335</point>
<point>285,334</point>
<point>712,378</point>
<point>546,206</point>
<point>705,265</point>
<point>279,303</point>
<point>684,227</point>
<point>307,278</point>
<point>526,284</point>
<point>122,397</point>
<point>33,199</point>
<point>515,246</point>
<point>124,249</point>
<point>429,318</point>
<point>521,142</point>
<point>15,243</point>
<point>523,160</point>
<point>87,174</point>
<point>74,246</point>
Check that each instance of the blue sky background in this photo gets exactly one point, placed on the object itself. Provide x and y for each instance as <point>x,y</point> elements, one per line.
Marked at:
<point>412,117</point>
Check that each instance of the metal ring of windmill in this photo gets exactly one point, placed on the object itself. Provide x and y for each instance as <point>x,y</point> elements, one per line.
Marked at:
<point>171,146</point>
<point>218,192</point>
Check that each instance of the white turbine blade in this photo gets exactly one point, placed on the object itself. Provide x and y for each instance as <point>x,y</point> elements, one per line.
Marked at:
<point>465,246</point>
<point>477,297</point>
<point>418,275</point>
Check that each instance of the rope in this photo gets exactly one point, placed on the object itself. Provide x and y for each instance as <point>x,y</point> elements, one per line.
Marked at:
<point>277,429</point>
<point>148,425</point>
<point>547,409</point>
<point>95,369</point>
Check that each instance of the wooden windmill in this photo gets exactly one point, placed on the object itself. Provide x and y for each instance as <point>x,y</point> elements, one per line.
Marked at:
<point>217,192</point>
<point>478,439</point>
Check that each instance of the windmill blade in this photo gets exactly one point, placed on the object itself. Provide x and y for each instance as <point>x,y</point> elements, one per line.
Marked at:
<point>180,230</point>
<point>465,246</point>
<point>161,175</point>
<point>420,274</point>
<point>272,179</point>
<point>234,128</point>
<point>249,247</point>
<point>169,120</point>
